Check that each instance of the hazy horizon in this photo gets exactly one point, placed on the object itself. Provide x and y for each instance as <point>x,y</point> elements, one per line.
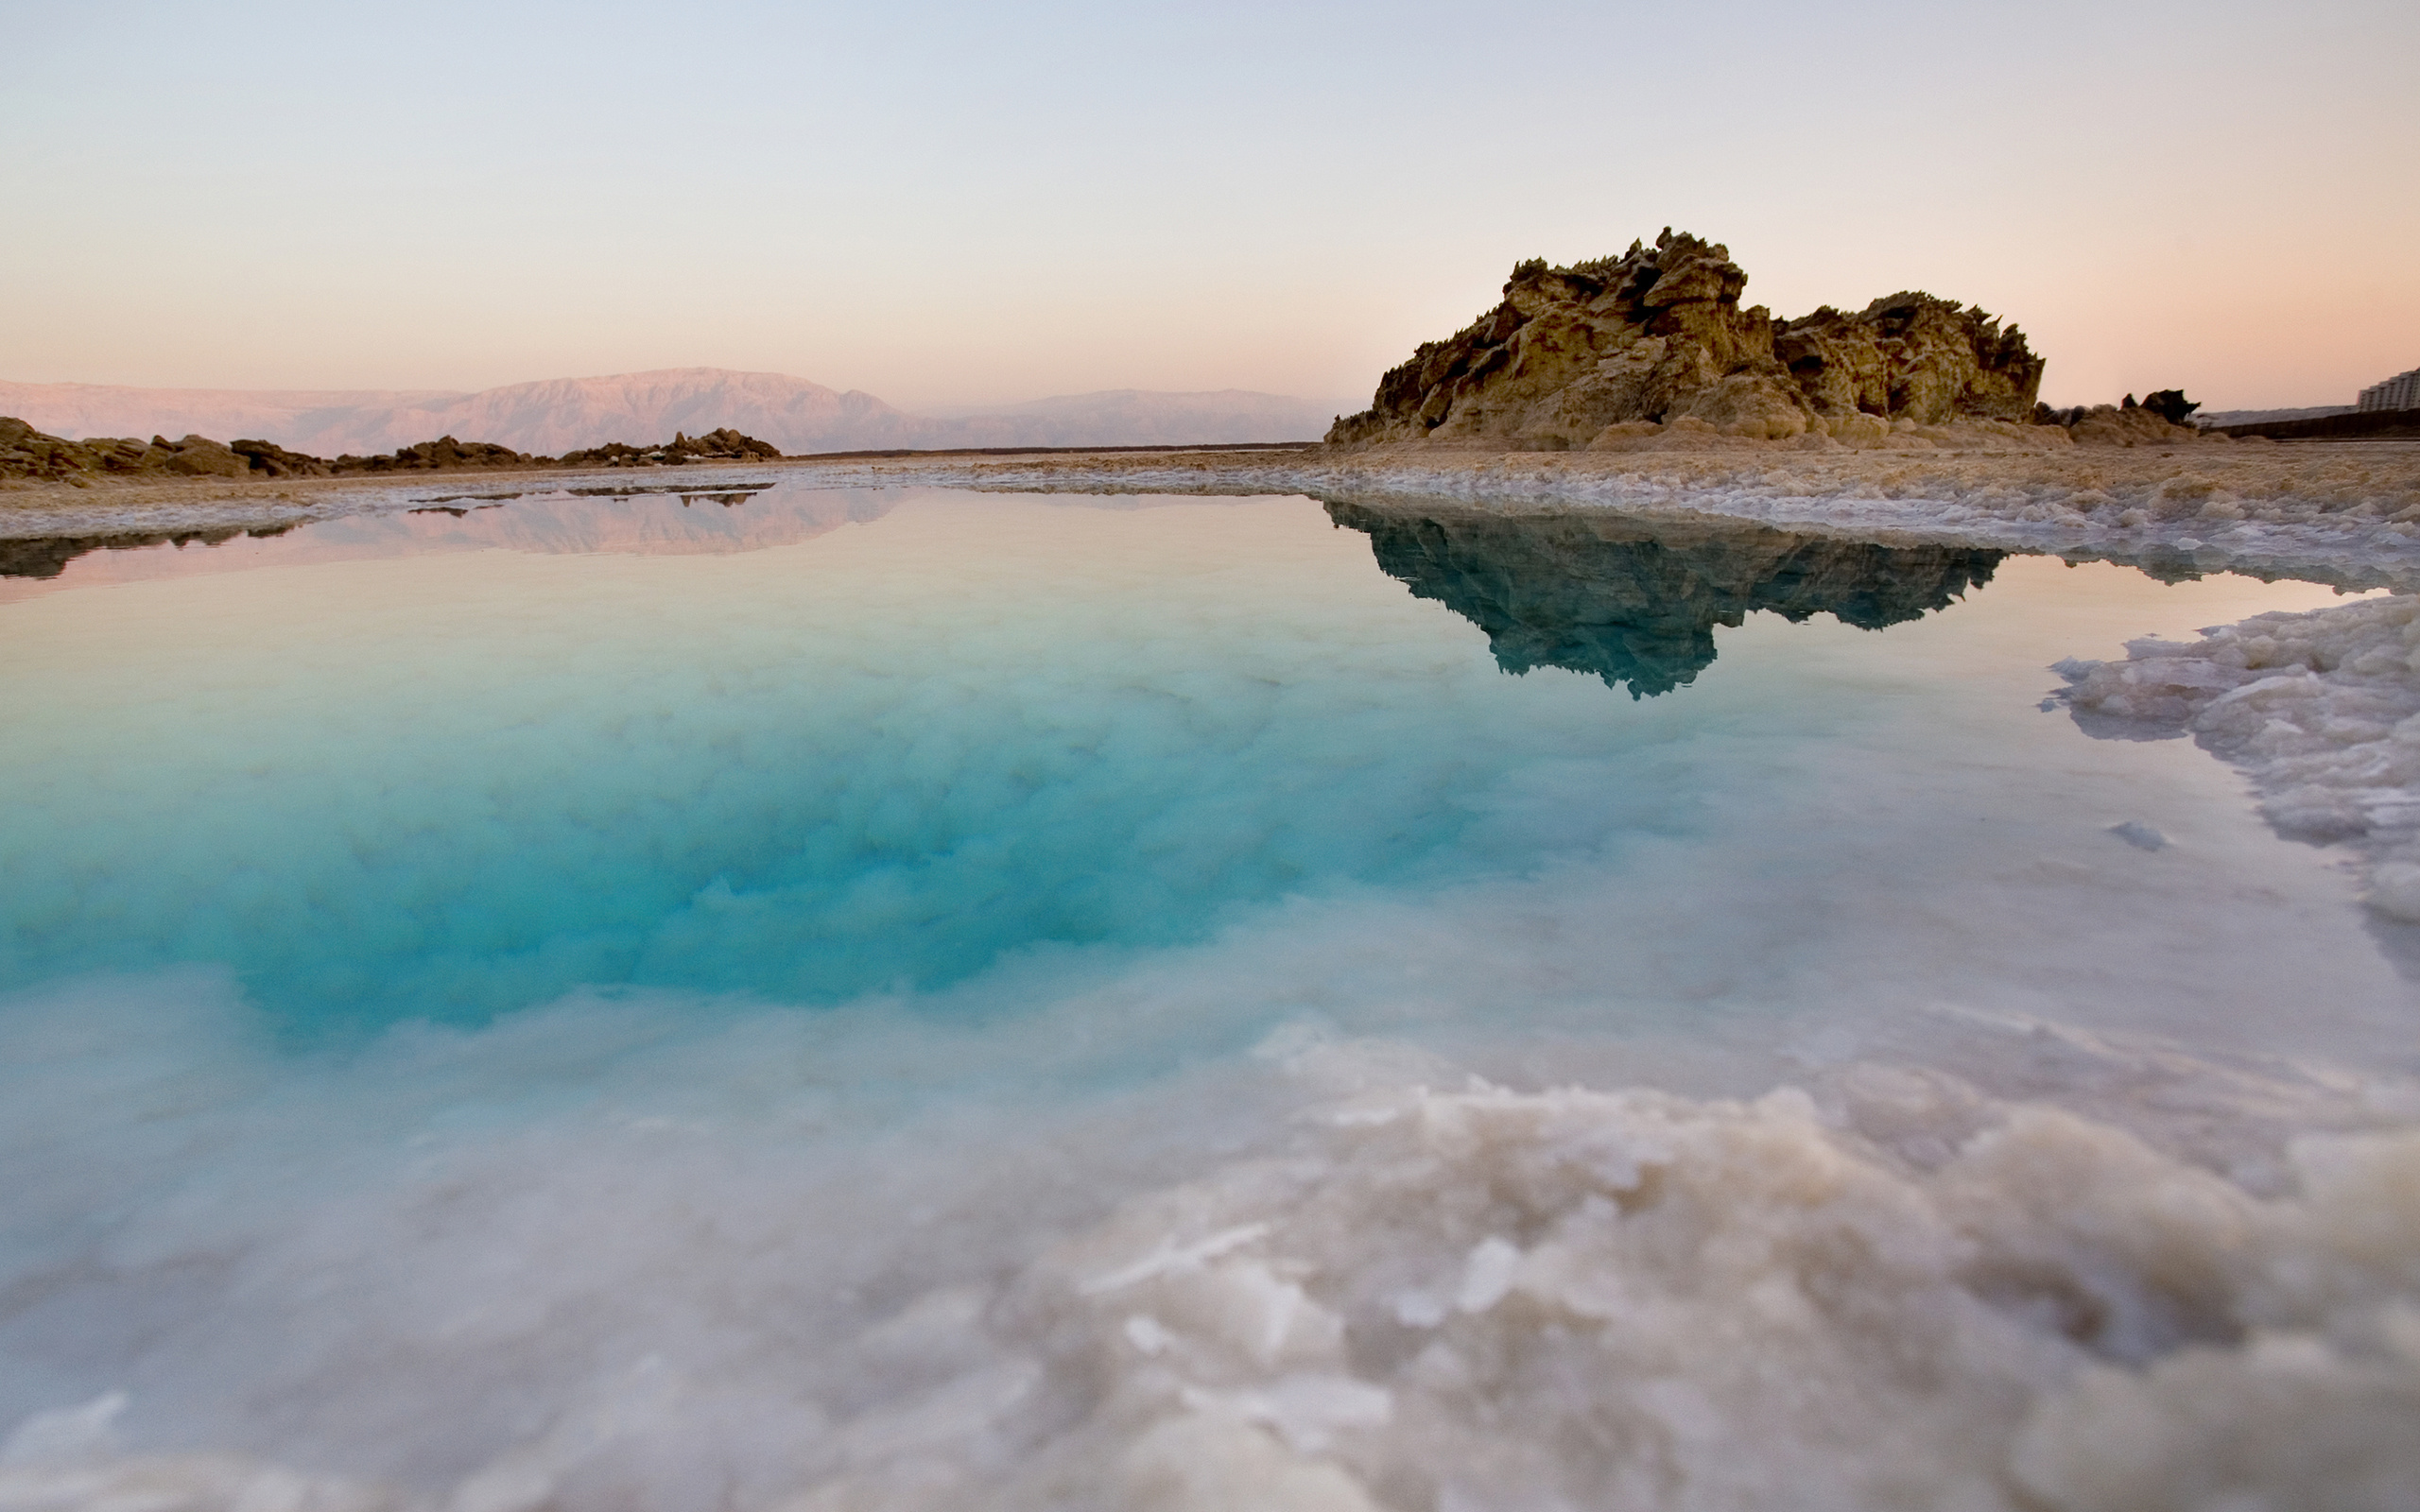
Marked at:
<point>952,208</point>
<point>556,416</point>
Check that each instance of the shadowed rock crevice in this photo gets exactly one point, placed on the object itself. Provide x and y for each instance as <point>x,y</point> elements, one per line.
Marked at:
<point>1636,604</point>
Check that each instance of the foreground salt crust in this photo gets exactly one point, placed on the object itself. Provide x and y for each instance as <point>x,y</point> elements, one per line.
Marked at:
<point>1891,1289</point>
<point>2322,709</point>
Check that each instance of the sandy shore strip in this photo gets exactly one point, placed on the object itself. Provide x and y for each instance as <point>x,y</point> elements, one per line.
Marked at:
<point>2343,511</point>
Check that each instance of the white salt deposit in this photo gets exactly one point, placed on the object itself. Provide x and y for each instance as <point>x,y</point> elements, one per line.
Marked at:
<point>1889,1286</point>
<point>2319,708</point>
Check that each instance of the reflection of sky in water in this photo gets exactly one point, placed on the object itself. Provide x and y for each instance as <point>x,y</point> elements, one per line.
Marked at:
<point>741,749</point>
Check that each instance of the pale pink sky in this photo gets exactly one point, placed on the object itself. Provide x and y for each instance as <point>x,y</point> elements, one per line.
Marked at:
<point>953,204</point>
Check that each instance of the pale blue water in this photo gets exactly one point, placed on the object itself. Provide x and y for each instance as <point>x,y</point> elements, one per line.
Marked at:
<point>452,966</point>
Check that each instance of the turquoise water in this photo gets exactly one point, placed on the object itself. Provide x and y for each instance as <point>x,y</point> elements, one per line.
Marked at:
<point>448,786</point>
<point>610,1002</point>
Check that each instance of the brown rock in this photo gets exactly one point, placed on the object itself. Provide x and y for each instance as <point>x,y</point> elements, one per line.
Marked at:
<point>1577,356</point>
<point>2170,405</point>
<point>723,445</point>
<point>1913,355</point>
<point>444,454</point>
<point>196,457</point>
<point>277,462</point>
<point>2126,425</point>
<point>27,453</point>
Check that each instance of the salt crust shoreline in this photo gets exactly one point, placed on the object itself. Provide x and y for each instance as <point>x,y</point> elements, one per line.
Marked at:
<point>1890,1288</point>
<point>2347,513</point>
<point>2322,709</point>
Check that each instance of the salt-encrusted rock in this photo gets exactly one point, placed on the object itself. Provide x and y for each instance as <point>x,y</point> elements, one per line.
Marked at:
<point>1577,355</point>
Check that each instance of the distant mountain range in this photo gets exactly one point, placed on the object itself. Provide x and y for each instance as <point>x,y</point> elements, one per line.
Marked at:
<point>564,413</point>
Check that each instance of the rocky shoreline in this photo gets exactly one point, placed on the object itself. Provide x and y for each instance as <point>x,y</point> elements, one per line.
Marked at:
<point>30,457</point>
<point>2343,513</point>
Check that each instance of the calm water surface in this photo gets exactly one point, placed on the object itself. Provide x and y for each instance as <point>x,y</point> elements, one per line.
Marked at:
<point>451,960</point>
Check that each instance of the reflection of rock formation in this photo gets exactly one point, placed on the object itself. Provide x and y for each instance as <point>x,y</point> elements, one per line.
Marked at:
<point>1636,603</point>
<point>46,556</point>
<point>634,521</point>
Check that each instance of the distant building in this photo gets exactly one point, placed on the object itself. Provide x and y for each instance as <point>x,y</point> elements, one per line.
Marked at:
<point>2402,391</point>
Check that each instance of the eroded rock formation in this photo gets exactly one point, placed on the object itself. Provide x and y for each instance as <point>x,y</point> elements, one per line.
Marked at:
<point>1636,604</point>
<point>1596,353</point>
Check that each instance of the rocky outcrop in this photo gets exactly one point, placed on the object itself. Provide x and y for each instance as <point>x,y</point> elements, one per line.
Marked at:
<point>271,460</point>
<point>2157,423</point>
<point>27,453</point>
<point>1636,604</point>
<point>444,454</point>
<point>2168,403</point>
<point>724,445</point>
<point>1598,352</point>
<point>1910,356</point>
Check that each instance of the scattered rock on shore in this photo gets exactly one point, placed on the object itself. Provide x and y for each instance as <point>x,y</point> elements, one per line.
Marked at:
<point>443,455</point>
<point>2159,421</point>
<point>724,445</point>
<point>27,454</point>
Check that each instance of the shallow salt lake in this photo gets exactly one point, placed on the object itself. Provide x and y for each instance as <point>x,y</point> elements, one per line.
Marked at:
<point>640,1000</point>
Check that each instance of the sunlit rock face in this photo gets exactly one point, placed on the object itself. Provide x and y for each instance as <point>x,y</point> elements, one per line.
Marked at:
<point>1636,605</point>
<point>1910,356</point>
<point>1658,336</point>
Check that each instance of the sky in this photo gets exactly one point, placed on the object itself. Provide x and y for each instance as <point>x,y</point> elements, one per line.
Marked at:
<point>959,204</point>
